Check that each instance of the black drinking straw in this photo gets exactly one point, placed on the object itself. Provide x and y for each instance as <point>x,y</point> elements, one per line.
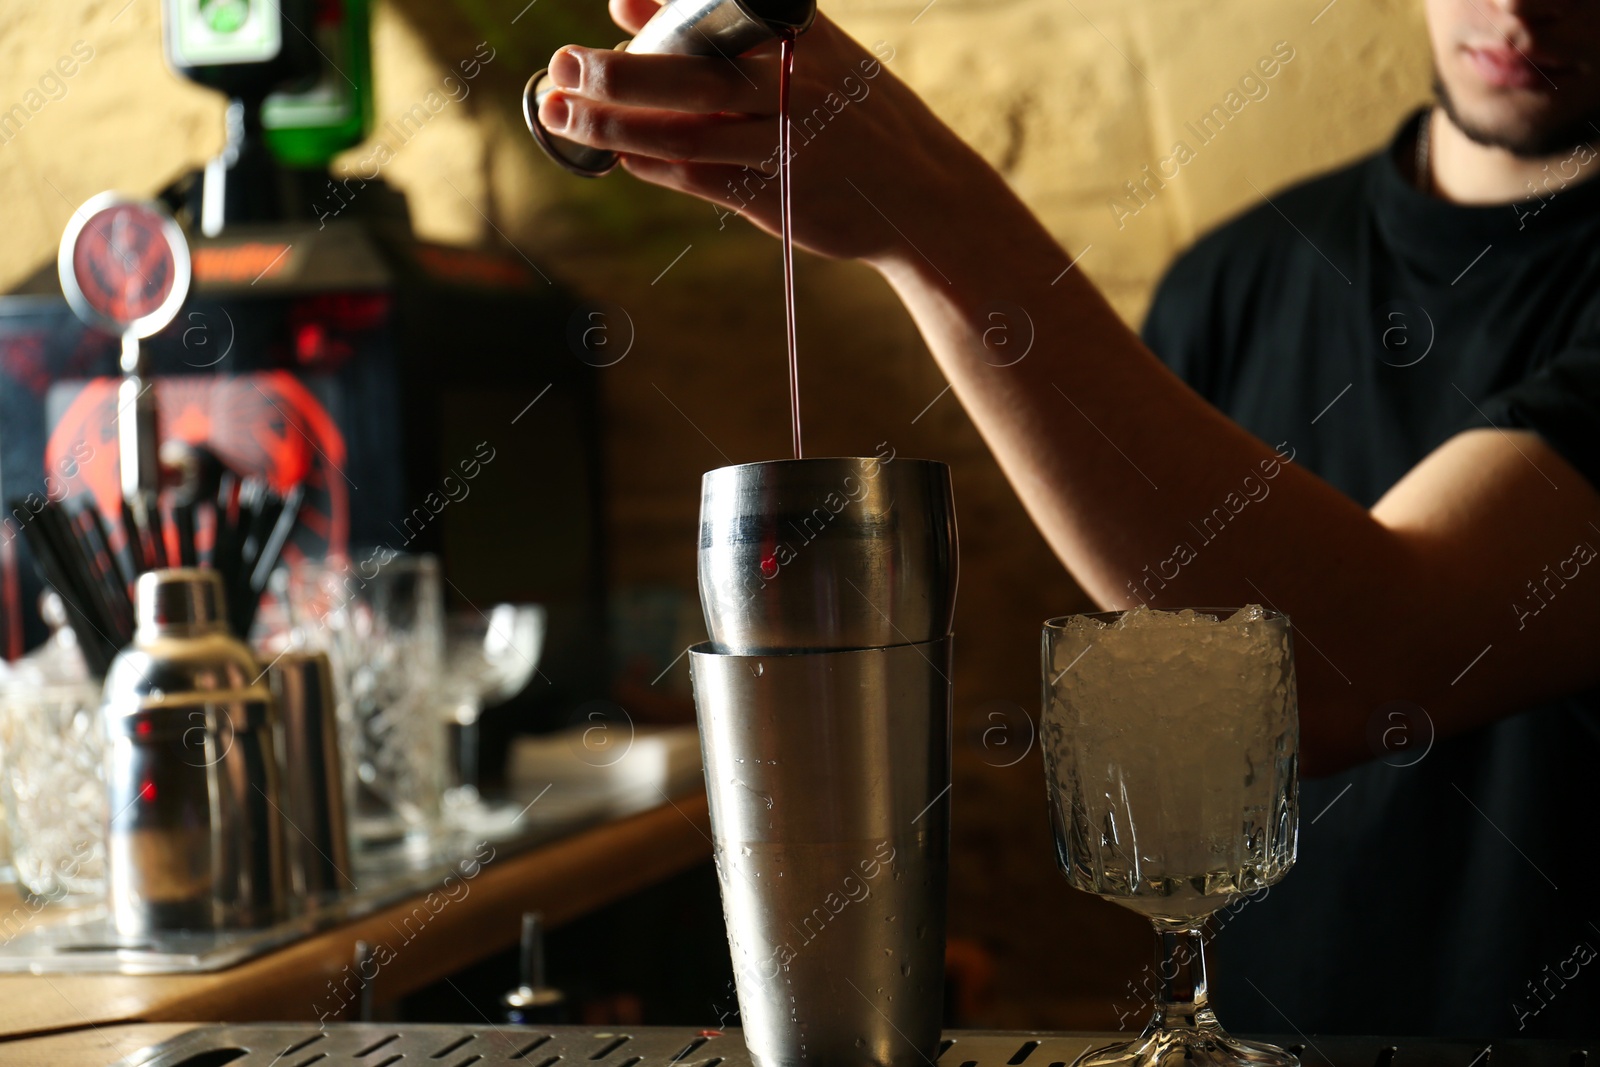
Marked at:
<point>85,614</point>
<point>183,525</point>
<point>133,534</point>
<point>288,514</point>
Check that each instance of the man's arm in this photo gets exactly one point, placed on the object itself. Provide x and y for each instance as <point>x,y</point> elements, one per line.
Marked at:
<point>1109,451</point>
<point>1113,455</point>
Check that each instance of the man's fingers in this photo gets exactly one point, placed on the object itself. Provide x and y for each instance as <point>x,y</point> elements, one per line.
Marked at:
<point>700,84</point>
<point>664,135</point>
<point>730,187</point>
<point>631,15</point>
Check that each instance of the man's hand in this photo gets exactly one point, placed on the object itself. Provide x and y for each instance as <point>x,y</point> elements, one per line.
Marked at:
<point>861,140</point>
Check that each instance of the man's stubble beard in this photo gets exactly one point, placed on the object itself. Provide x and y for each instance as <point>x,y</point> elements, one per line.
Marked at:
<point>1524,144</point>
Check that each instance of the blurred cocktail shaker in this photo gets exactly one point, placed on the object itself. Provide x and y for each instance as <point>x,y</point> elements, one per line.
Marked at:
<point>195,840</point>
<point>317,831</point>
<point>824,709</point>
<point>726,28</point>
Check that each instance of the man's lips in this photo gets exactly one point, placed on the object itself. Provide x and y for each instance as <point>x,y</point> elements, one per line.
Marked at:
<point>1503,67</point>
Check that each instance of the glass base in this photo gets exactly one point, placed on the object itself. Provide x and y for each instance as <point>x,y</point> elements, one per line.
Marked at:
<point>465,811</point>
<point>1188,1047</point>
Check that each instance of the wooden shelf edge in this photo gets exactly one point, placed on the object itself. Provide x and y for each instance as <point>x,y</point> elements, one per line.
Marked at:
<point>415,942</point>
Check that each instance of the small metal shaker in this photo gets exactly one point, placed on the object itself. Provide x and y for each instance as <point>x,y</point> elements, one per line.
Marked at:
<point>726,28</point>
<point>195,840</point>
<point>317,834</point>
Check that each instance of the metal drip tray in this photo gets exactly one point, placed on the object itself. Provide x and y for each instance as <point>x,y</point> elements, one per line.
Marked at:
<point>385,1045</point>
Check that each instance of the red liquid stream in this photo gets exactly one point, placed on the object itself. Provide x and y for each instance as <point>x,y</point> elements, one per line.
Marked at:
<point>785,72</point>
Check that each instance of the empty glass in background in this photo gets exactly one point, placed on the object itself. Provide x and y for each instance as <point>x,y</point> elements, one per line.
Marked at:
<point>1171,744</point>
<point>52,768</point>
<point>490,656</point>
<point>381,619</point>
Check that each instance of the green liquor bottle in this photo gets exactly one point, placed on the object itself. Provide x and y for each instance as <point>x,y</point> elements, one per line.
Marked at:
<point>306,126</point>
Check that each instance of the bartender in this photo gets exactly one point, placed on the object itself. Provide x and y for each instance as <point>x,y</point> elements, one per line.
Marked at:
<point>1372,401</point>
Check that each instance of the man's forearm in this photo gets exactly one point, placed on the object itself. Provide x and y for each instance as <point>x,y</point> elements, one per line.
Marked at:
<point>1116,458</point>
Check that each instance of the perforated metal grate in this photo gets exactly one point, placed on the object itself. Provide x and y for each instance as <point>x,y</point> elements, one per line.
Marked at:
<point>382,1045</point>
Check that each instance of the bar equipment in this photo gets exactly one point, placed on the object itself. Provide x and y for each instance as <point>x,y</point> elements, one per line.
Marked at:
<point>825,737</point>
<point>533,1001</point>
<point>72,546</point>
<point>317,830</point>
<point>124,267</point>
<point>827,554</point>
<point>307,351</point>
<point>54,790</point>
<point>83,577</point>
<point>252,524</point>
<point>828,774</point>
<point>1171,744</point>
<point>52,768</point>
<point>726,28</point>
<point>195,840</point>
<point>381,619</point>
<point>262,1045</point>
<point>489,658</point>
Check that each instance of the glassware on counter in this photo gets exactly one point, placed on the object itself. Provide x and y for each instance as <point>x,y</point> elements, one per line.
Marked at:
<point>489,658</point>
<point>52,768</point>
<point>380,616</point>
<point>1171,743</point>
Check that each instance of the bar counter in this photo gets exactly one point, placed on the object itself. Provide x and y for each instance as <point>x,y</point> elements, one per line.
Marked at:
<point>564,879</point>
<point>281,1045</point>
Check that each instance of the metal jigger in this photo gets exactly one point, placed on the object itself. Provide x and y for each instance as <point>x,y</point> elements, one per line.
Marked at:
<point>825,734</point>
<point>317,830</point>
<point>726,28</point>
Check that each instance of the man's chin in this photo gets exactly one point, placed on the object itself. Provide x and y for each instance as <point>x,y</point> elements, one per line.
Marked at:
<point>1525,132</point>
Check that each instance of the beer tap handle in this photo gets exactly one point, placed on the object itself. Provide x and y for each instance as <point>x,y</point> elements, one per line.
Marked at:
<point>124,268</point>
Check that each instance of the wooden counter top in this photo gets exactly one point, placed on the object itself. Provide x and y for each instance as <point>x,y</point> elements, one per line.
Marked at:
<point>426,939</point>
<point>95,1047</point>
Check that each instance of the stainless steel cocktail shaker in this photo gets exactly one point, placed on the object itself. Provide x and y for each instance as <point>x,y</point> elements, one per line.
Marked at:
<point>824,707</point>
<point>195,840</point>
<point>827,554</point>
<point>317,837</point>
<point>828,774</point>
<point>725,28</point>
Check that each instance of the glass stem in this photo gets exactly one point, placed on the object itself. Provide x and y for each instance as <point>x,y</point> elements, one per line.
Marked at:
<point>468,768</point>
<point>1181,1001</point>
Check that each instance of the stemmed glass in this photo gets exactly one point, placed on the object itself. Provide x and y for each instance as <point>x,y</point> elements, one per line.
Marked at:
<point>1171,744</point>
<point>489,658</point>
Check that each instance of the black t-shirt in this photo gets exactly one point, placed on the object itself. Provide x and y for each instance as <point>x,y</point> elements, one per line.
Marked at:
<point>1364,323</point>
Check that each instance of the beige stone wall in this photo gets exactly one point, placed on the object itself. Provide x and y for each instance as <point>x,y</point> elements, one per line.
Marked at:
<point>1070,98</point>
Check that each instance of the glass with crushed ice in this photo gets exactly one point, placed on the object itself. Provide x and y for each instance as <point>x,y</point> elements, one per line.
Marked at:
<point>1171,741</point>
